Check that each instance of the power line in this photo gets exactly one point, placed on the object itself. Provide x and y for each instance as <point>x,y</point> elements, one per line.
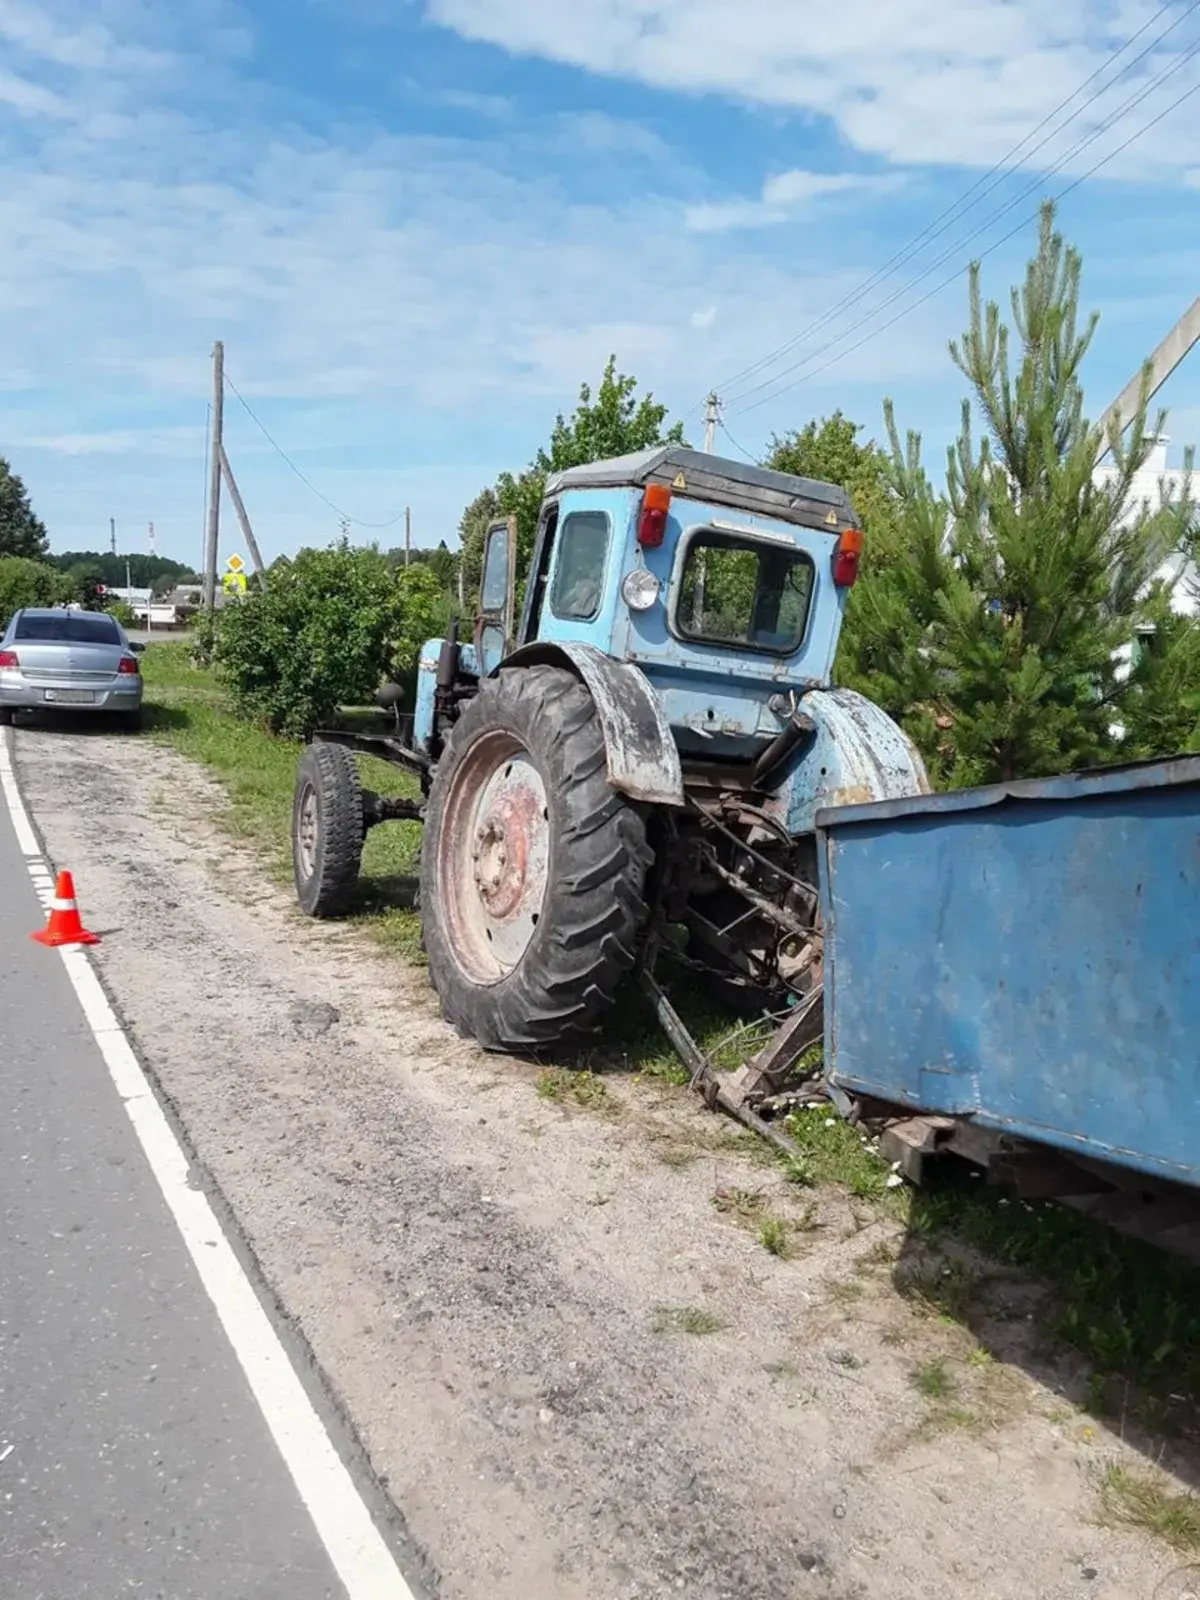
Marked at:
<point>983,254</point>
<point>897,294</point>
<point>998,172</point>
<point>741,448</point>
<point>307,482</point>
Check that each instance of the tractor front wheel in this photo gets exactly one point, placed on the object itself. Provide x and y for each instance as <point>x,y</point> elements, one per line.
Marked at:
<point>327,830</point>
<point>532,867</point>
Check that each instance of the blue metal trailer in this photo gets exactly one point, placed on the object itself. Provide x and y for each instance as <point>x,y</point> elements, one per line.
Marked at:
<point>1020,966</point>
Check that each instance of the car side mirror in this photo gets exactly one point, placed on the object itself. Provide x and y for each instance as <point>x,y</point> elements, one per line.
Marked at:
<point>137,647</point>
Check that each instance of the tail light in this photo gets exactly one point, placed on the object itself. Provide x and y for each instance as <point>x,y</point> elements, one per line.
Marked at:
<point>652,524</point>
<point>8,659</point>
<point>846,558</point>
<point>128,666</point>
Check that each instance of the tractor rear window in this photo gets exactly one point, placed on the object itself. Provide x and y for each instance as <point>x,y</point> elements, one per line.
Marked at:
<point>579,568</point>
<point>745,593</point>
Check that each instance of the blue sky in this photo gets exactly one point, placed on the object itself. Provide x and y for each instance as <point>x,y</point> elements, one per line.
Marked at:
<point>418,225</point>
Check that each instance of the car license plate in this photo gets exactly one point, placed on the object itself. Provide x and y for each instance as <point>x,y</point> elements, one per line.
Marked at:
<point>69,697</point>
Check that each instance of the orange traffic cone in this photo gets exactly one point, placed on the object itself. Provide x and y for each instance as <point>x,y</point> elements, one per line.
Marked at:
<point>64,926</point>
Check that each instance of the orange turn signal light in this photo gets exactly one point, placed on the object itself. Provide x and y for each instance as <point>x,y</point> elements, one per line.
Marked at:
<point>652,524</point>
<point>846,556</point>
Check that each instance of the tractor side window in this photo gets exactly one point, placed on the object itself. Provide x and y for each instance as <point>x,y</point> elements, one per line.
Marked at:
<point>579,569</point>
<point>745,593</point>
<point>494,590</point>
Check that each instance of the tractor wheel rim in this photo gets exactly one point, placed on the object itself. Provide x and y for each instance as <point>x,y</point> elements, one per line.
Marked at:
<point>306,832</point>
<point>494,856</point>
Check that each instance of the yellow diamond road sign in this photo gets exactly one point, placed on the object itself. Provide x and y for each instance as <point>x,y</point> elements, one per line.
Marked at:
<point>235,563</point>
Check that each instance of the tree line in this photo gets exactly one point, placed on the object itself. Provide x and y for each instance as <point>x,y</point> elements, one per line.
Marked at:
<point>1012,619</point>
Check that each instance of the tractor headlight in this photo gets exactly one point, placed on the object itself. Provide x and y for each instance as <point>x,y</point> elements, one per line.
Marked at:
<point>639,589</point>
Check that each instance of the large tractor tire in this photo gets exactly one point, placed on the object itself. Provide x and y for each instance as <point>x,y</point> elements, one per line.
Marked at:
<point>327,830</point>
<point>532,867</point>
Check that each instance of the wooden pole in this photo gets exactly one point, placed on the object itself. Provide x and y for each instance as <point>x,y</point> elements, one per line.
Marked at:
<point>213,532</point>
<point>407,534</point>
<point>235,494</point>
<point>1163,362</point>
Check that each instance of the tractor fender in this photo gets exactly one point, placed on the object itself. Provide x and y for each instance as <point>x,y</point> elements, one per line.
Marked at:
<point>643,759</point>
<point>855,755</point>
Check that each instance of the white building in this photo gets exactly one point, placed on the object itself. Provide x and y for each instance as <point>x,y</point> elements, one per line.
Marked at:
<point>1156,485</point>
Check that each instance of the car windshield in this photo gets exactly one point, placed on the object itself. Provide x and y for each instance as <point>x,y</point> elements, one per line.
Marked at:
<point>745,593</point>
<point>67,627</point>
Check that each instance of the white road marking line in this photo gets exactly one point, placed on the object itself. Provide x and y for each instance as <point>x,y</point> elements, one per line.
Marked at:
<point>355,1546</point>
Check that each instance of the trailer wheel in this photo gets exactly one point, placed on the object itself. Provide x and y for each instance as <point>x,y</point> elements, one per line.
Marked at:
<point>532,867</point>
<point>327,830</point>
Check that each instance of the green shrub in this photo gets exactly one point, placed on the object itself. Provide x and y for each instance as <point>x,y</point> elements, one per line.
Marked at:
<point>121,612</point>
<point>330,627</point>
<point>24,582</point>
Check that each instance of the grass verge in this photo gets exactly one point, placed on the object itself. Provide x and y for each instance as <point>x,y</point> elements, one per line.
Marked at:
<point>1145,1500</point>
<point>187,708</point>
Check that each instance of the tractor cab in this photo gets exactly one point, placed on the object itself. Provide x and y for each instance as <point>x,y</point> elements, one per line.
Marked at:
<point>723,583</point>
<point>630,750</point>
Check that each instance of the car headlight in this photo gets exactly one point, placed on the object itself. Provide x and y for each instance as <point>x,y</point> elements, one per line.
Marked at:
<point>639,589</point>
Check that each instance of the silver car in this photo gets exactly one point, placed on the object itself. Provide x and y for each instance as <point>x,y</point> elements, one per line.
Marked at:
<point>69,661</point>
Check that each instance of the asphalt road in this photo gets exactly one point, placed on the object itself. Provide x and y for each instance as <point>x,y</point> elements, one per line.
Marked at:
<point>133,1457</point>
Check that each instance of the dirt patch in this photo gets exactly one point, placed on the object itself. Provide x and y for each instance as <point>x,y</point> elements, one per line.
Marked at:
<point>506,1288</point>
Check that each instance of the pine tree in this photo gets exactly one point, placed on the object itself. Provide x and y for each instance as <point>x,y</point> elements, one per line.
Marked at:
<point>21,533</point>
<point>1034,581</point>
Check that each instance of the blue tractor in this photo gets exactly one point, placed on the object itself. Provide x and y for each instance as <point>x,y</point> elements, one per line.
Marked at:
<point>635,762</point>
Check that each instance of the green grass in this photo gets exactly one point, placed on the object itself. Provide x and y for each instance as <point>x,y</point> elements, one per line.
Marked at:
<point>583,1089</point>
<point>932,1380</point>
<point>687,1319</point>
<point>775,1237</point>
<point>1146,1500</point>
<point>1132,1311</point>
<point>832,1152</point>
<point>940,1287</point>
<point>187,709</point>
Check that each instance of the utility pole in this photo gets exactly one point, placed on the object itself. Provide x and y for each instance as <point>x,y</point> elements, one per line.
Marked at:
<point>235,494</point>
<point>213,532</point>
<point>711,418</point>
<point>112,534</point>
<point>1163,362</point>
<point>407,534</point>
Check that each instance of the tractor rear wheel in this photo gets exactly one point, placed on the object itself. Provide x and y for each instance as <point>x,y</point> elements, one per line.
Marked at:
<point>532,867</point>
<point>327,830</point>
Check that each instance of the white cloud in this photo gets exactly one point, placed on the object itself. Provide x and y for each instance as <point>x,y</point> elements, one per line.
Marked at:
<point>119,442</point>
<point>782,196</point>
<point>704,319</point>
<point>908,81</point>
<point>31,99</point>
<point>90,47</point>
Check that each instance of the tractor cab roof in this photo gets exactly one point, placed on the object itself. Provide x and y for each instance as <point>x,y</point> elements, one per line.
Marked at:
<point>717,481</point>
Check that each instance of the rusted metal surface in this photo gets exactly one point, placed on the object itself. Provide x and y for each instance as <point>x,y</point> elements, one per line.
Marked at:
<point>379,808</point>
<point>493,856</point>
<point>766,1072</point>
<point>643,761</point>
<point>673,1026</point>
<point>381,745</point>
<point>856,755</point>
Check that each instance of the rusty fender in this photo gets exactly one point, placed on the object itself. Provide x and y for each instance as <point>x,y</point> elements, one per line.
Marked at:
<point>643,761</point>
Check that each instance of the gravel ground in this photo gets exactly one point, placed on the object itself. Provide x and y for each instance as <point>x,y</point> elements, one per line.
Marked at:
<point>480,1273</point>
